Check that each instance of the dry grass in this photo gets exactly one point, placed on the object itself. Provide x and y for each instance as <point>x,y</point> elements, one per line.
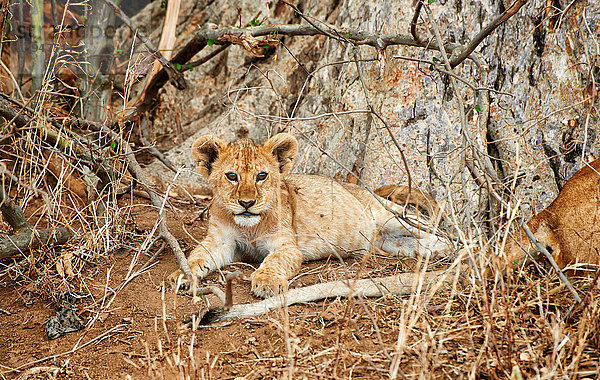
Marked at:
<point>524,325</point>
<point>518,326</point>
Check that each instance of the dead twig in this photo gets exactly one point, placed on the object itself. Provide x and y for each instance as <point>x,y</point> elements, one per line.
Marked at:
<point>466,50</point>
<point>152,148</point>
<point>370,287</point>
<point>413,23</point>
<point>33,239</point>
<point>12,213</point>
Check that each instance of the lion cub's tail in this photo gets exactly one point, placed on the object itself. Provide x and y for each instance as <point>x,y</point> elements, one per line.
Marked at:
<point>401,195</point>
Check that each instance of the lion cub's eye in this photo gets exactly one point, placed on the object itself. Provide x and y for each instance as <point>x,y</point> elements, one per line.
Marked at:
<point>261,176</point>
<point>231,176</point>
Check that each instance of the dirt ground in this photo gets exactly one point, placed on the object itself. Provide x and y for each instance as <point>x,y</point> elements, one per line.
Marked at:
<point>133,329</point>
<point>140,335</point>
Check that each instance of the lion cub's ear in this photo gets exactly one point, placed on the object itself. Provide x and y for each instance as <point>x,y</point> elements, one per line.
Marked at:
<point>205,151</point>
<point>285,148</point>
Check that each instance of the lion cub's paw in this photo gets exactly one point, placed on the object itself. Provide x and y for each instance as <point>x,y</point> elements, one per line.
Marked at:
<point>197,270</point>
<point>265,283</point>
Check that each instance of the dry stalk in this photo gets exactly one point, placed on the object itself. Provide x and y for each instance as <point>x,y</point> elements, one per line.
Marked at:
<point>157,201</point>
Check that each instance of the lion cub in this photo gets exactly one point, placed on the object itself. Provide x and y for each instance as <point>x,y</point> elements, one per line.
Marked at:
<point>570,227</point>
<point>284,219</point>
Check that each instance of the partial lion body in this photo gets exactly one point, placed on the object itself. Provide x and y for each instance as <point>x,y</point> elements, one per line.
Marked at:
<point>285,219</point>
<point>329,217</point>
<point>570,226</point>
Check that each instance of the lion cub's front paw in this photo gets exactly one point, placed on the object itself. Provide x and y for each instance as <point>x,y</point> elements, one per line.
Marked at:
<point>266,283</point>
<point>199,271</point>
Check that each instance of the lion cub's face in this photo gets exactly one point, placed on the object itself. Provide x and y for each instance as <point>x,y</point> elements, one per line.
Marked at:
<point>245,177</point>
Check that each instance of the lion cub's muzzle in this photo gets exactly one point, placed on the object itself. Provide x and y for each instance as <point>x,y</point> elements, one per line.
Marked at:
<point>246,218</point>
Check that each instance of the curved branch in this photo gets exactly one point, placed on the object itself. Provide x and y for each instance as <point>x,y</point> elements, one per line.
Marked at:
<point>33,239</point>
<point>12,213</point>
<point>413,23</point>
<point>26,237</point>
<point>399,284</point>
<point>471,46</point>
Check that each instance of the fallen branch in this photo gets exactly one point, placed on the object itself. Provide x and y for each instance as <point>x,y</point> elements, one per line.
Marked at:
<point>400,284</point>
<point>26,237</point>
<point>12,213</point>
<point>33,239</point>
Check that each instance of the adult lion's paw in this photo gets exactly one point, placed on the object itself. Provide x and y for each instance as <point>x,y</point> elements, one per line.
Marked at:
<point>266,283</point>
<point>198,271</point>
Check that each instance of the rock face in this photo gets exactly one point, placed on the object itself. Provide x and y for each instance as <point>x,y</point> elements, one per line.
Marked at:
<point>540,79</point>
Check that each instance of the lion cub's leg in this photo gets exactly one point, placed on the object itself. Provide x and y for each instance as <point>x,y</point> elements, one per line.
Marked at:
<point>214,252</point>
<point>278,266</point>
<point>399,237</point>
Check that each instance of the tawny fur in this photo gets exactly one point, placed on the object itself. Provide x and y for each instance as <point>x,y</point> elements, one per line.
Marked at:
<point>284,219</point>
<point>401,195</point>
<point>570,227</point>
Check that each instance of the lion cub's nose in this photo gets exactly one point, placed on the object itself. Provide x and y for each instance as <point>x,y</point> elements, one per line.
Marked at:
<point>246,204</point>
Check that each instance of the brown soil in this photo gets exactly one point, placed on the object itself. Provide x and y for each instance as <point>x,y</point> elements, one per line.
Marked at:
<point>333,338</point>
<point>141,335</point>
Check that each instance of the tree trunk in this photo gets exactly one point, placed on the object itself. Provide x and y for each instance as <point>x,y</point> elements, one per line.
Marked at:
<point>99,32</point>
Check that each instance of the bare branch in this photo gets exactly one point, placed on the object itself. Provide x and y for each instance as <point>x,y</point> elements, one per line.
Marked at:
<point>223,36</point>
<point>229,278</point>
<point>12,213</point>
<point>471,46</point>
<point>26,237</point>
<point>370,287</point>
<point>413,23</point>
<point>152,148</point>
<point>33,239</point>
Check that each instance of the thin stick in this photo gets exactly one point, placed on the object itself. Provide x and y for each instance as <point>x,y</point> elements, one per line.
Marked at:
<point>229,278</point>
<point>475,41</point>
<point>152,148</point>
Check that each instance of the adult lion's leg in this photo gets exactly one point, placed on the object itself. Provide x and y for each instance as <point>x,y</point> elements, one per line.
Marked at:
<point>277,268</point>
<point>214,252</point>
